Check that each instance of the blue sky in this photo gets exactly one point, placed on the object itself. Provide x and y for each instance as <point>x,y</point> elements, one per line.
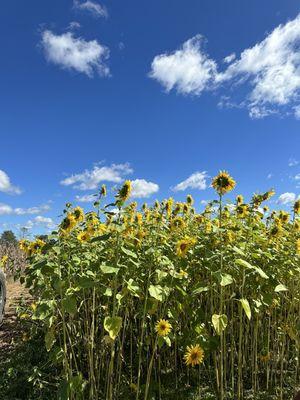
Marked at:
<point>153,91</point>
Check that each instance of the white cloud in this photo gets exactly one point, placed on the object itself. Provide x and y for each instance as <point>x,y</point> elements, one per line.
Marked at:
<point>297,177</point>
<point>196,181</point>
<point>287,198</point>
<point>293,162</point>
<point>40,221</point>
<point>142,189</point>
<point>87,198</point>
<point>271,67</point>
<point>6,185</point>
<point>188,70</point>
<point>5,209</point>
<point>91,6</point>
<point>230,58</point>
<point>269,71</point>
<point>68,52</point>
<point>74,25</point>
<point>270,176</point>
<point>90,179</point>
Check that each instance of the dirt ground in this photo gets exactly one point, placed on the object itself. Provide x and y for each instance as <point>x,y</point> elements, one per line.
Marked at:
<point>10,329</point>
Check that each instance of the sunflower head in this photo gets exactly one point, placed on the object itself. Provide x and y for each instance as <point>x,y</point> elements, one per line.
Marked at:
<point>184,245</point>
<point>297,207</point>
<point>103,191</point>
<point>124,192</point>
<point>223,183</point>
<point>242,210</point>
<point>284,217</point>
<point>169,206</point>
<point>83,236</point>
<point>239,199</point>
<point>78,214</point>
<point>194,355</point>
<point>177,223</point>
<point>189,200</point>
<point>68,223</point>
<point>163,327</point>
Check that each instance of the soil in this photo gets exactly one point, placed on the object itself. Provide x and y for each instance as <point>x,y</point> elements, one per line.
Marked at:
<point>10,330</point>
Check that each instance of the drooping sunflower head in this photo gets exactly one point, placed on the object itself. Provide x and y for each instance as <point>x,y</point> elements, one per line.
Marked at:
<point>103,191</point>
<point>297,226</point>
<point>163,327</point>
<point>223,183</point>
<point>239,199</point>
<point>78,214</point>
<point>125,191</point>
<point>284,217</point>
<point>194,355</point>
<point>169,206</point>
<point>184,245</point>
<point>297,207</point>
<point>189,200</point>
<point>177,223</point>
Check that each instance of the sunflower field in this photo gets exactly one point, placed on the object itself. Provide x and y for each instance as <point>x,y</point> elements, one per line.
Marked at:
<point>165,303</point>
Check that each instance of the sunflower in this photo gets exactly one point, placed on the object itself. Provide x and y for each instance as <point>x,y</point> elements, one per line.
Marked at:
<point>184,245</point>
<point>83,236</point>
<point>239,199</point>
<point>68,223</point>
<point>169,206</point>
<point>125,191</point>
<point>223,183</point>
<point>78,214</point>
<point>163,327</point>
<point>242,210</point>
<point>139,218</point>
<point>103,191</point>
<point>276,230</point>
<point>189,200</point>
<point>194,355</point>
<point>297,207</point>
<point>177,223</point>
<point>297,226</point>
<point>284,217</point>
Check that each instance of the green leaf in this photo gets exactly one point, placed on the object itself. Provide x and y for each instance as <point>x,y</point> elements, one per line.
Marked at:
<point>219,322</point>
<point>200,290</point>
<point>226,279</point>
<point>49,339</point>
<point>239,251</point>
<point>113,325</point>
<point>156,291</point>
<point>106,269</point>
<point>101,238</point>
<point>245,264</point>
<point>69,305</point>
<point>128,252</point>
<point>246,307</point>
<point>281,288</point>
<point>133,288</point>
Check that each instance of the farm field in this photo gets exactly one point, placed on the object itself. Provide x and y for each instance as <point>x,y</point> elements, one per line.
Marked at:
<point>162,302</point>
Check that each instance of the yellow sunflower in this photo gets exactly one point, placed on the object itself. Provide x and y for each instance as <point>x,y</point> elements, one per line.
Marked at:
<point>78,214</point>
<point>125,191</point>
<point>184,245</point>
<point>68,223</point>
<point>239,199</point>
<point>297,207</point>
<point>83,236</point>
<point>242,210</point>
<point>189,200</point>
<point>163,327</point>
<point>103,191</point>
<point>223,183</point>
<point>177,223</point>
<point>194,355</point>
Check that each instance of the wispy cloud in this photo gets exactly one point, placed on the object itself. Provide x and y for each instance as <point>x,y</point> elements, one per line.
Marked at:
<point>142,188</point>
<point>86,198</point>
<point>6,186</point>
<point>96,9</point>
<point>90,179</point>
<point>39,220</point>
<point>6,209</point>
<point>71,53</point>
<point>287,198</point>
<point>196,181</point>
<point>269,72</point>
<point>293,162</point>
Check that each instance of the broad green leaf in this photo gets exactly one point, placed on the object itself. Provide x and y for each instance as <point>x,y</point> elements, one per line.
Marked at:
<point>70,304</point>
<point>201,289</point>
<point>128,252</point>
<point>246,307</point>
<point>49,339</point>
<point>239,251</point>
<point>226,279</point>
<point>245,264</point>
<point>106,269</point>
<point>261,272</point>
<point>156,291</point>
<point>133,288</point>
<point>219,322</point>
<point>281,288</point>
<point>113,325</point>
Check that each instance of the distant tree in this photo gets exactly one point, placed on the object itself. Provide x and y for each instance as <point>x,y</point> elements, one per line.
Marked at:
<point>8,237</point>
